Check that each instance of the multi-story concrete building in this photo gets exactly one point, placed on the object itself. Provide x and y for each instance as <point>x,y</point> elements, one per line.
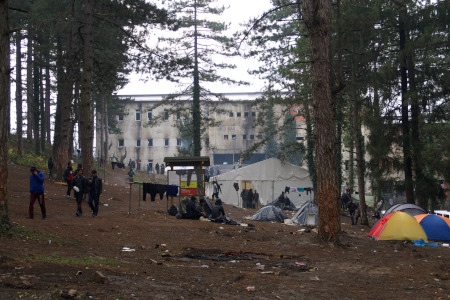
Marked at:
<point>149,144</point>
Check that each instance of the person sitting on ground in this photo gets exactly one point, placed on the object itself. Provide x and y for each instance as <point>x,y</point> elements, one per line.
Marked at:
<point>218,213</point>
<point>191,210</point>
<point>203,208</point>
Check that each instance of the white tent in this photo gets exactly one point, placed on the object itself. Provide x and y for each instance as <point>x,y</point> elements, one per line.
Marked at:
<point>269,178</point>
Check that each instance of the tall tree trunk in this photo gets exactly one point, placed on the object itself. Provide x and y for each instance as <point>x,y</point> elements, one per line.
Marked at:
<point>4,114</point>
<point>86,120</point>
<point>359,152</point>
<point>42,110</point>
<point>19,90</point>
<point>409,187</point>
<point>106,124</point>
<point>48,89</point>
<point>317,17</point>
<point>29,84</point>
<point>35,107</point>
<point>63,111</point>
<point>421,189</point>
<point>196,114</point>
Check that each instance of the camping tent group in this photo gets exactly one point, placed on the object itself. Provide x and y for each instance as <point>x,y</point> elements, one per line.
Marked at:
<point>269,178</point>
<point>411,222</point>
<point>307,214</point>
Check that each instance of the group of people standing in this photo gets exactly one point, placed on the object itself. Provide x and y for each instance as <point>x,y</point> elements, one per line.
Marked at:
<point>85,188</point>
<point>250,198</point>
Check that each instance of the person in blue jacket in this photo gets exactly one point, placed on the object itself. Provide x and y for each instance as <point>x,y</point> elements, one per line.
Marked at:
<point>37,192</point>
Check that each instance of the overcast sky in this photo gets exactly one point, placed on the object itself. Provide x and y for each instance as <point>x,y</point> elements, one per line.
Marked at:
<point>239,11</point>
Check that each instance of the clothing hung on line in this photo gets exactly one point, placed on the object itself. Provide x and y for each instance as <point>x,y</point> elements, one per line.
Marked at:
<point>172,190</point>
<point>308,190</point>
<point>154,189</point>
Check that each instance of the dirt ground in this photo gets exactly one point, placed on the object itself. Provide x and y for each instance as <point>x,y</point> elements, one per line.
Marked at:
<point>135,250</point>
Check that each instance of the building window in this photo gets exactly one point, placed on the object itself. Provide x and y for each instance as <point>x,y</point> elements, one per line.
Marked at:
<point>178,116</point>
<point>138,115</point>
<point>300,138</point>
<point>207,142</point>
<point>120,117</point>
<point>149,142</point>
<point>238,114</point>
<point>225,137</point>
<point>166,114</point>
<point>253,114</point>
<point>166,142</point>
<point>149,115</point>
<point>138,143</point>
<point>233,136</point>
<point>178,142</point>
<point>231,114</point>
<point>244,137</point>
<point>121,143</point>
<point>259,136</point>
<point>246,114</point>
<point>206,112</point>
<point>252,137</point>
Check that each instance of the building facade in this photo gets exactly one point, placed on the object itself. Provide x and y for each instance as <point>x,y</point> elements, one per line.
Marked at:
<point>148,143</point>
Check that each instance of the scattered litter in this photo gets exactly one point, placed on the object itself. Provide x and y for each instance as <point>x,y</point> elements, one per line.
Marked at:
<point>300,264</point>
<point>79,273</point>
<point>422,243</point>
<point>156,262</point>
<point>445,245</point>
<point>250,288</point>
<point>105,204</point>
<point>126,249</point>
<point>205,266</point>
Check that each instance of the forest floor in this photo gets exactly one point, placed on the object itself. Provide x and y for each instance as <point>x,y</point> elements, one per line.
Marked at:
<point>135,250</point>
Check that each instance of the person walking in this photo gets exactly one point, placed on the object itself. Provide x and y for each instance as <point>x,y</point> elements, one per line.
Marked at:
<point>50,165</point>
<point>37,192</point>
<point>79,187</point>
<point>353,208</point>
<point>95,186</point>
<point>68,177</point>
